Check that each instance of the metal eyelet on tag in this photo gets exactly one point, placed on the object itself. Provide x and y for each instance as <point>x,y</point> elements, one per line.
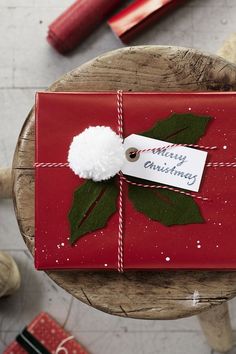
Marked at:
<point>131,154</point>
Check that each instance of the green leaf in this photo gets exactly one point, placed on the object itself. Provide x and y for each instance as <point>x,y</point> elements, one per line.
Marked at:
<point>179,128</point>
<point>167,207</point>
<point>93,204</point>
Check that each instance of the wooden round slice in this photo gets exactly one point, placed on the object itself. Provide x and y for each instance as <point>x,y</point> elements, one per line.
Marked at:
<point>149,295</point>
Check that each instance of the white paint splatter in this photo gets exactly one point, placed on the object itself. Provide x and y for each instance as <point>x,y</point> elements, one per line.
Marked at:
<point>224,21</point>
<point>196,297</point>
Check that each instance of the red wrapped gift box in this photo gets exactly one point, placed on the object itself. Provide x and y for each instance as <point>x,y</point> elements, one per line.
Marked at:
<point>148,244</point>
<point>44,335</point>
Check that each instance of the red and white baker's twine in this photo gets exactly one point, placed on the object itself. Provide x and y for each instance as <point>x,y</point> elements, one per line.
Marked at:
<point>162,187</point>
<point>51,164</point>
<point>209,164</point>
<point>120,254</point>
<point>122,178</point>
<point>175,145</point>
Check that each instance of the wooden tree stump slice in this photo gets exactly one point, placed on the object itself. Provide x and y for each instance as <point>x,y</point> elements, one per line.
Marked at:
<point>148,295</point>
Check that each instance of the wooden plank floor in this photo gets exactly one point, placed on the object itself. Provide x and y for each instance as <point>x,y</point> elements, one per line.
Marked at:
<point>28,64</point>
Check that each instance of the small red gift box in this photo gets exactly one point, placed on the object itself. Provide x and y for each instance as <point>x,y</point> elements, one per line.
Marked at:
<point>147,243</point>
<point>44,335</point>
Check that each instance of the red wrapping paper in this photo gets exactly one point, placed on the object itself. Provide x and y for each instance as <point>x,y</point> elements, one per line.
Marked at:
<point>138,15</point>
<point>48,332</point>
<point>78,21</point>
<point>147,244</point>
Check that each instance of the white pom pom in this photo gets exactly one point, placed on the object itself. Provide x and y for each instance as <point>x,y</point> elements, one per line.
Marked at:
<point>97,153</point>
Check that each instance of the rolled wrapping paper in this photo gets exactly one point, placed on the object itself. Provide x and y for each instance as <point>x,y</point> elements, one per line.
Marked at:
<point>78,21</point>
<point>139,15</point>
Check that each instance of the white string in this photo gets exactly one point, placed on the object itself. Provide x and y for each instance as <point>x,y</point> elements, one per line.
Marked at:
<point>60,346</point>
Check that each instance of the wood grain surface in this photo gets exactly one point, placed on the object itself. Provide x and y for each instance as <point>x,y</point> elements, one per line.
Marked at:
<point>5,183</point>
<point>150,295</point>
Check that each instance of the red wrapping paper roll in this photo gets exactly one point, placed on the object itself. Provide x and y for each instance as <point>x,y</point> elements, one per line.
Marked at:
<point>78,21</point>
<point>140,14</point>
